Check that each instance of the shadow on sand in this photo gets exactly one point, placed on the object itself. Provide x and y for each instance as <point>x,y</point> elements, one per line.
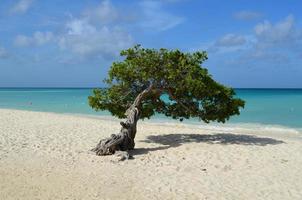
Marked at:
<point>175,140</point>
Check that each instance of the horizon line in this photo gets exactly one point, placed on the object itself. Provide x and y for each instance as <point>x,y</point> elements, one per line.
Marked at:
<point>104,87</point>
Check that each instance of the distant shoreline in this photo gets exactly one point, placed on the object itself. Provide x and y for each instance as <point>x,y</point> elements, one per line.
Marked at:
<point>248,127</point>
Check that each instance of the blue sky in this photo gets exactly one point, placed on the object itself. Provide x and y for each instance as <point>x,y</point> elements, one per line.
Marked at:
<point>60,43</point>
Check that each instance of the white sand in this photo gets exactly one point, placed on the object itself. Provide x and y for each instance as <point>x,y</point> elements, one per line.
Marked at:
<point>45,156</point>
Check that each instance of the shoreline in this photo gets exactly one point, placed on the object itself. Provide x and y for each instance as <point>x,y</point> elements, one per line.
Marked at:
<point>232,126</point>
<point>46,156</point>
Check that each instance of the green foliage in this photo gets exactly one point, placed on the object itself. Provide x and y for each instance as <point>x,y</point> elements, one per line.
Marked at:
<point>191,90</point>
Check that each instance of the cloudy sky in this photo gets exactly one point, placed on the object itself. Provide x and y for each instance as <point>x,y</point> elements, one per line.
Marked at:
<point>62,43</point>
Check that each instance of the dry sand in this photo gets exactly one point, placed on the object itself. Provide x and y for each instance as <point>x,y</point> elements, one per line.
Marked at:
<point>45,156</point>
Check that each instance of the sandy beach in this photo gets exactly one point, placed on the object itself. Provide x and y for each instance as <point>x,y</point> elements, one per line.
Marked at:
<point>46,156</point>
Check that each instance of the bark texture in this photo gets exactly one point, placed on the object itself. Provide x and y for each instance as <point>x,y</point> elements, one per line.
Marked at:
<point>124,140</point>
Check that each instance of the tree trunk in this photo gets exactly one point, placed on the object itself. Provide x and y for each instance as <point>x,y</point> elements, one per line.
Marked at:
<point>124,140</point>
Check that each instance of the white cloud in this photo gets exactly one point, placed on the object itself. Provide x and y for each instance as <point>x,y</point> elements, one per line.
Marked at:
<point>79,27</point>
<point>282,33</point>
<point>3,52</point>
<point>96,33</point>
<point>229,43</point>
<point>247,15</point>
<point>276,43</point>
<point>155,18</point>
<point>267,36</point>
<point>41,38</point>
<point>103,31</point>
<point>171,1</point>
<point>104,13</point>
<point>86,40</point>
<point>38,38</point>
<point>22,41</point>
<point>269,44</point>
<point>21,6</point>
<point>231,40</point>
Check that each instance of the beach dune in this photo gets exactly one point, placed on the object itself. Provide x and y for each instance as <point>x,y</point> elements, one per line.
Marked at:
<point>46,156</point>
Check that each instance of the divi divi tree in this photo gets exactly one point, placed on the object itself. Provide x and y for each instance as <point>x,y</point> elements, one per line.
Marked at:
<point>136,86</point>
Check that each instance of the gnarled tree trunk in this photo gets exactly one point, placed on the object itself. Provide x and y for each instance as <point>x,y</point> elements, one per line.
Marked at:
<point>124,140</point>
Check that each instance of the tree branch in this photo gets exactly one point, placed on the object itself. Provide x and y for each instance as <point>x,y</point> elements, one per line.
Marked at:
<point>142,95</point>
<point>173,97</point>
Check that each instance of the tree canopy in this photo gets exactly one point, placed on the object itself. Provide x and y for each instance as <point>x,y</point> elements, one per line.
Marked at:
<point>191,90</point>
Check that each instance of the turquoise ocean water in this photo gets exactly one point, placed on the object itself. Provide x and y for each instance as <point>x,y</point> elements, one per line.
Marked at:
<point>281,107</point>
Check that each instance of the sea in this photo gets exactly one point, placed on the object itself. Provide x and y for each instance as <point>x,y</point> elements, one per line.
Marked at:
<point>267,107</point>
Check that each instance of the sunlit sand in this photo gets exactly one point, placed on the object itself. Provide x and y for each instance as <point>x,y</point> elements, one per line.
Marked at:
<point>46,156</point>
